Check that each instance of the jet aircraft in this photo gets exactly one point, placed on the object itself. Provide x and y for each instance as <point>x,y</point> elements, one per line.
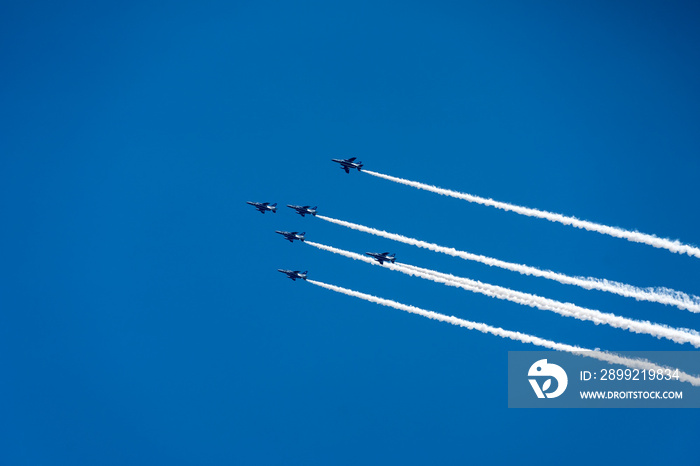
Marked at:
<point>292,235</point>
<point>294,274</point>
<point>303,210</point>
<point>264,206</point>
<point>347,164</point>
<point>382,257</point>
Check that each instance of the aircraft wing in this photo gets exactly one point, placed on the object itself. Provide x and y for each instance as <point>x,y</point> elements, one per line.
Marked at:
<point>347,170</point>
<point>352,159</point>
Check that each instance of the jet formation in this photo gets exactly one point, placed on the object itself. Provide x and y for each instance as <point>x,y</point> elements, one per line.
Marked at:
<point>264,206</point>
<point>294,274</point>
<point>347,164</point>
<point>384,256</point>
<point>303,210</point>
<point>292,235</point>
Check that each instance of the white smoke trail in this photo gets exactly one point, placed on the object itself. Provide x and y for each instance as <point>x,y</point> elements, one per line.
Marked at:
<point>517,336</point>
<point>634,236</point>
<point>566,309</point>
<point>659,295</point>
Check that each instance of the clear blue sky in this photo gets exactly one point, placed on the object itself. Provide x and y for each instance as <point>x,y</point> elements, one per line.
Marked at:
<point>142,317</point>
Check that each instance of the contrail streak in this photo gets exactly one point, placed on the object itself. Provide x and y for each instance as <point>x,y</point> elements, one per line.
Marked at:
<point>517,336</point>
<point>659,295</point>
<point>634,236</point>
<point>565,309</point>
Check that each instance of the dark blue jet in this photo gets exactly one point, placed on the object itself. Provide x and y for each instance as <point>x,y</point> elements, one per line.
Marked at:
<point>264,206</point>
<point>382,257</point>
<point>292,235</point>
<point>303,210</point>
<point>347,164</point>
<point>294,274</point>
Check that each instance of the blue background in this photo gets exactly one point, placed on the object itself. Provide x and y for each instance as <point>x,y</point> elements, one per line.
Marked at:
<point>143,320</point>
